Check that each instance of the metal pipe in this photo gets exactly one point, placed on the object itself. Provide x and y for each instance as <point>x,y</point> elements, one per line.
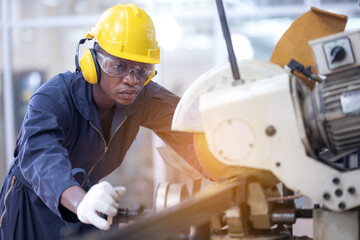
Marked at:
<point>283,216</point>
<point>290,215</point>
<point>227,36</point>
<point>9,118</point>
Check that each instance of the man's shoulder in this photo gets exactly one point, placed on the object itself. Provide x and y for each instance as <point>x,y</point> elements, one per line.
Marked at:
<point>59,80</point>
<point>59,84</point>
<point>59,88</point>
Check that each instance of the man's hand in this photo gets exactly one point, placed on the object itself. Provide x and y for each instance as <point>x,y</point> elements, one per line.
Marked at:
<point>101,198</point>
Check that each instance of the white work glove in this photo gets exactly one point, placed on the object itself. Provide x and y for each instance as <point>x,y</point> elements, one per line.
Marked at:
<point>101,198</point>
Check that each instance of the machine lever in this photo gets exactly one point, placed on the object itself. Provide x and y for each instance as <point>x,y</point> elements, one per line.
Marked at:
<point>298,67</point>
<point>226,32</point>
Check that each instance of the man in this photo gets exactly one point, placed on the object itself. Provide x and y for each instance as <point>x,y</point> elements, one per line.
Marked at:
<point>78,127</point>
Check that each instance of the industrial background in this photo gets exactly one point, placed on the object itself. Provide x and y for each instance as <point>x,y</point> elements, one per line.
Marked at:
<point>38,40</point>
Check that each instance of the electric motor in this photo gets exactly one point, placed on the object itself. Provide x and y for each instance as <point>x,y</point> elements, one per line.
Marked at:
<point>331,114</point>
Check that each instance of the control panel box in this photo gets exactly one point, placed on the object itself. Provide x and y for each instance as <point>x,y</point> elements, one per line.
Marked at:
<point>337,52</point>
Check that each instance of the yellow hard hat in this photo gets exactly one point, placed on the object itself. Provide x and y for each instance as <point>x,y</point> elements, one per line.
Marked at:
<point>126,31</point>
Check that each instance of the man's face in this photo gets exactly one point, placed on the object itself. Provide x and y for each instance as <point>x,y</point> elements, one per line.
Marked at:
<point>122,80</point>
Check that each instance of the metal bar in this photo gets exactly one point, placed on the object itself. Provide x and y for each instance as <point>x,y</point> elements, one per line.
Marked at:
<point>9,118</point>
<point>227,36</point>
<point>195,211</point>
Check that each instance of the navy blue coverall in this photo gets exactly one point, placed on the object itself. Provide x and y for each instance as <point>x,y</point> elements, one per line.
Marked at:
<point>61,133</point>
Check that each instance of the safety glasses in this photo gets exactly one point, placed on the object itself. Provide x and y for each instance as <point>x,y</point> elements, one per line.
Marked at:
<point>119,68</point>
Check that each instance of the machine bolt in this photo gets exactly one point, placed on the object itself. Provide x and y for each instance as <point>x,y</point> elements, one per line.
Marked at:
<point>338,192</point>
<point>351,190</point>
<point>336,180</point>
<point>342,205</point>
<point>270,131</point>
<point>326,196</point>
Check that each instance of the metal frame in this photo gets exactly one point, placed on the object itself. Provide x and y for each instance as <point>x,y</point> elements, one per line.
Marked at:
<point>8,103</point>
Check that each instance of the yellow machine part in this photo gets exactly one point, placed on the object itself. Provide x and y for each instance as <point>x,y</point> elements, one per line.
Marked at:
<point>219,171</point>
<point>311,25</point>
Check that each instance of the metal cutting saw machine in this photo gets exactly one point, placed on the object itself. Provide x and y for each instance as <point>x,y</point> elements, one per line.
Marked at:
<point>280,130</point>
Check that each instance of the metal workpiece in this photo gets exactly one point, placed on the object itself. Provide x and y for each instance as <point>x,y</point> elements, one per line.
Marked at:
<point>126,215</point>
<point>195,211</point>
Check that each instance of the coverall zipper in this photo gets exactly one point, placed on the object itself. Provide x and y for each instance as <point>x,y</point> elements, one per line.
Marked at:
<point>106,145</point>
<point>6,196</point>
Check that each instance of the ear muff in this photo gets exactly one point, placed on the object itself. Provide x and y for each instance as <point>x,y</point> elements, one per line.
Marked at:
<point>90,67</point>
<point>150,77</point>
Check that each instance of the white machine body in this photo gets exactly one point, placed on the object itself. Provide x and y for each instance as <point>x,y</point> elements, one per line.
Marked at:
<point>257,124</point>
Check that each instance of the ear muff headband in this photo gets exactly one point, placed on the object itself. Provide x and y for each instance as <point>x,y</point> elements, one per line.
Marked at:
<point>82,41</point>
<point>88,64</point>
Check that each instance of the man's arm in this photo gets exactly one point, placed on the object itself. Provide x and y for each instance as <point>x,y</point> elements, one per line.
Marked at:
<point>160,105</point>
<point>72,197</point>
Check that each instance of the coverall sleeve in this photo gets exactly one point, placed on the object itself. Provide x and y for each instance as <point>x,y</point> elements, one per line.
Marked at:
<point>42,158</point>
<point>158,114</point>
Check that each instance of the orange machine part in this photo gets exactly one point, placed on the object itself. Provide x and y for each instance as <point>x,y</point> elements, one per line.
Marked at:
<point>219,171</point>
<point>311,25</point>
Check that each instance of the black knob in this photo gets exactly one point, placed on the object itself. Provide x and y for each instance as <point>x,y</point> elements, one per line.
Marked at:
<point>337,54</point>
